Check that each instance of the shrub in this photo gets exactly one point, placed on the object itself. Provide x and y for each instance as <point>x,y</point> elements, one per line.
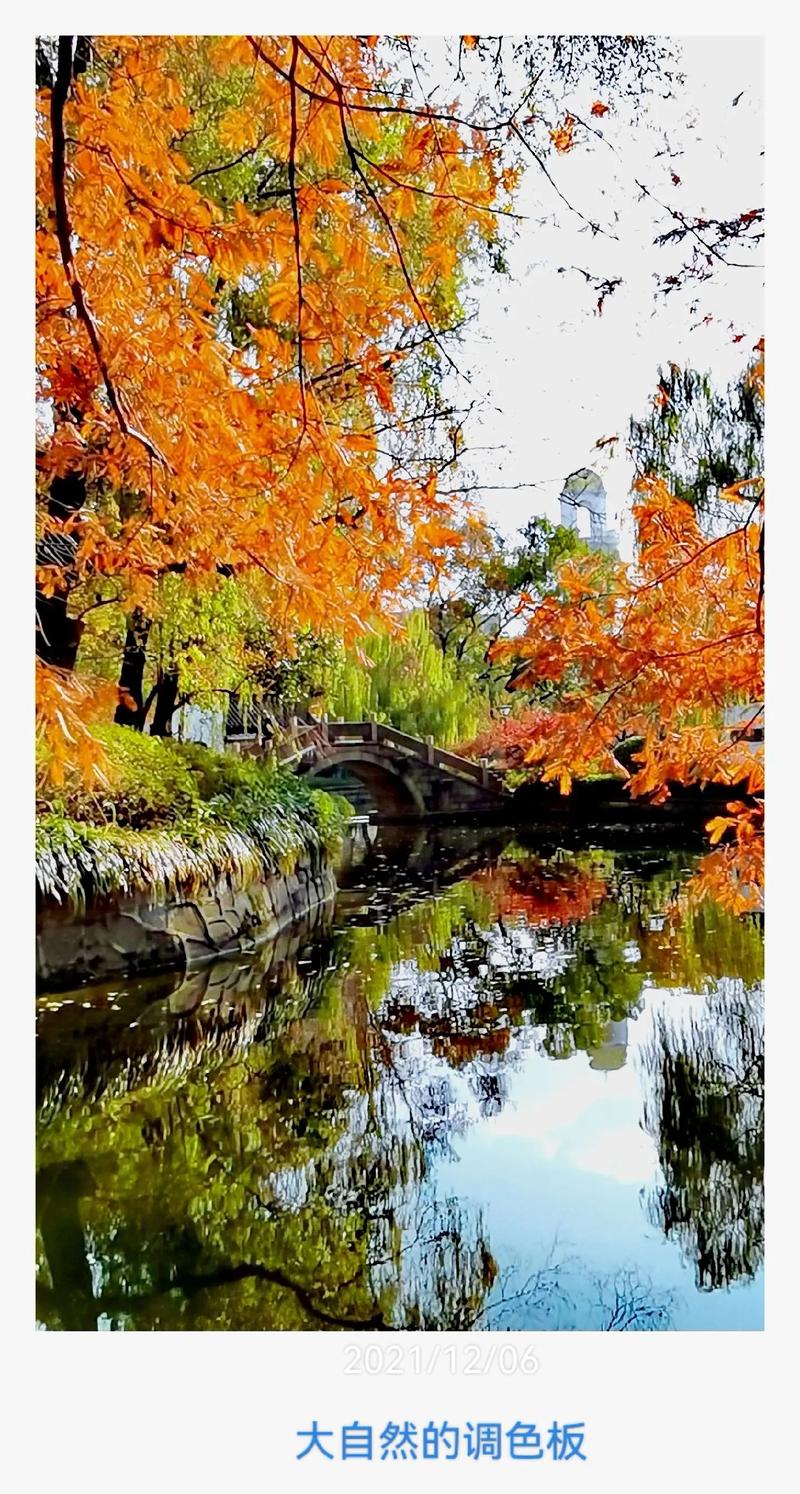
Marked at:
<point>176,815</point>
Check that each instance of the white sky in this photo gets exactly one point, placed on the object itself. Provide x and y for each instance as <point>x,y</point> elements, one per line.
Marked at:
<point>557,376</point>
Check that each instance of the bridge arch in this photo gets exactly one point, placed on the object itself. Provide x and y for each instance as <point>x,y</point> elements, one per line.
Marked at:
<point>389,783</point>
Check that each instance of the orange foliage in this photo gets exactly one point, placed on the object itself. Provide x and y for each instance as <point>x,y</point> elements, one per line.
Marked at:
<point>734,873</point>
<point>660,648</point>
<point>563,135</point>
<point>66,707</point>
<point>542,895</point>
<point>243,456</point>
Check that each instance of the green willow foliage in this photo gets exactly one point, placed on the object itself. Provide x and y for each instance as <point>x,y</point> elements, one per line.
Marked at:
<point>411,684</point>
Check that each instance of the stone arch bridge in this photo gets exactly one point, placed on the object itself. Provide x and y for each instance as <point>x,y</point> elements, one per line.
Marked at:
<point>391,774</point>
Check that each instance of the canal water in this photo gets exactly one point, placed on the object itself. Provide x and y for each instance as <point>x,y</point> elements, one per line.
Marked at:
<point>500,1086</point>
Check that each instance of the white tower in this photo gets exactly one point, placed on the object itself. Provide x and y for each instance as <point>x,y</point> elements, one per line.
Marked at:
<point>584,489</point>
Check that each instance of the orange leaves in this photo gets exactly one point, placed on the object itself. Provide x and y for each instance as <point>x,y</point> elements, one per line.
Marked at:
<point>238,129</point>
<point>376,374</point>
<point>750,488</point>
<point>323,139</point>
<point>563,136</point>
<point>598,109</point>
<point>745,820</point>
<point>510,178</point>
<point>718,827</point>
<point>164,235</point>
<point>332,184</point>
<point>658,649</point>
<point>282,297</point>
<point>65,708</point>
<point>733,874</point>
<point>256,328</point>
<point>756,372</point>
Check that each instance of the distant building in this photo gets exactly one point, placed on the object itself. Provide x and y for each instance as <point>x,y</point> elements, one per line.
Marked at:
<point>584,489</point>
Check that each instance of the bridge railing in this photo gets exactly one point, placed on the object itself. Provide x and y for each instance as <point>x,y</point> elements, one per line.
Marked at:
<point>344,732</point>
<point>303,739</point>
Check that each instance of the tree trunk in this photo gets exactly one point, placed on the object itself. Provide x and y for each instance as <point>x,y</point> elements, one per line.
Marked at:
<point>58,636</point>
<point>131,709</point>
<point>166,702</point>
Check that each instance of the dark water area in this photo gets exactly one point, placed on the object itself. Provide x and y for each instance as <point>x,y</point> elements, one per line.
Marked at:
<point>500,1085</point>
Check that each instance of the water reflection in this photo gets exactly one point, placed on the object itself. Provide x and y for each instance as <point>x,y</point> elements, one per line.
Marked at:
<point>345,1131</point>
<point>705,1107</point>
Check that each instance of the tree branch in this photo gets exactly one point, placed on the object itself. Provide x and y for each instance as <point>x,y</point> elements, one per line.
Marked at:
<point>64,234</point>
<point>296,222</point>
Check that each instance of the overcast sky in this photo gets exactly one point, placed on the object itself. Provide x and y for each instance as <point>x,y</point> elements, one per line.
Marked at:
<point>555,376</point>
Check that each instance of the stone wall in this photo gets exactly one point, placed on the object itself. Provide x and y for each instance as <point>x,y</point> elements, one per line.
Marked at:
<point>141,934</point>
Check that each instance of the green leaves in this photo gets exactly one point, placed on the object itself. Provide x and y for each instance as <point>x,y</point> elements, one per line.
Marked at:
<point>179,815</point>
<point>410,683</point>
<point>699,438</point>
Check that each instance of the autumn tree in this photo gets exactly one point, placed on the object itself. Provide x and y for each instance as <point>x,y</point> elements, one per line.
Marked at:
<point>219,359</point>
<point>253,256</point>
<point>662,646</point>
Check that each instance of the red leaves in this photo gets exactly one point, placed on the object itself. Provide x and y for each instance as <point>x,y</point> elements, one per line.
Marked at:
<point>598,109</point>
<point>543,894</point>
<point>508,740</point>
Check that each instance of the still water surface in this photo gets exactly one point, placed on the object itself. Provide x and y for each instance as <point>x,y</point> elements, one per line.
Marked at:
<point>500,1086</point>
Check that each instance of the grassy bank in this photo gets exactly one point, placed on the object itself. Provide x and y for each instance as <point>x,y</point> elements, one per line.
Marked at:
<point>173,816</point>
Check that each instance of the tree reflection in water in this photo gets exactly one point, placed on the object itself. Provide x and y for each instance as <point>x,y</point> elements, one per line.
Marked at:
<point>257,1147</point>
<point>705,1108</point>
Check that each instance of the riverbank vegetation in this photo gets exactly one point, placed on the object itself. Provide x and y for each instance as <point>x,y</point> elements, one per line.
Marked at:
<point>173,816</point>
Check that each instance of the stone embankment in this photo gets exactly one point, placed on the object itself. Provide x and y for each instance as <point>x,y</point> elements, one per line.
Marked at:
<point>141,934</point>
